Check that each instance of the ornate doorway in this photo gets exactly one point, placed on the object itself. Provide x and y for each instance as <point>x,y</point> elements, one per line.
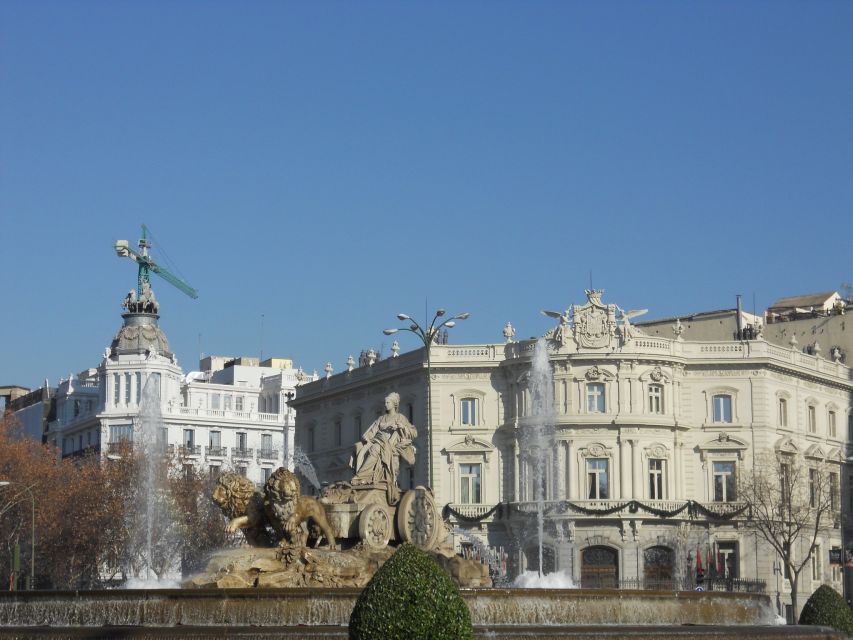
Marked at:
<point>658,568</point>
<point>599,568</point>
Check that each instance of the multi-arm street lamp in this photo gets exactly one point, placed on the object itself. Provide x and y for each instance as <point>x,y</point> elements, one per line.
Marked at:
<point>428,337</point>
<point>6,483</point>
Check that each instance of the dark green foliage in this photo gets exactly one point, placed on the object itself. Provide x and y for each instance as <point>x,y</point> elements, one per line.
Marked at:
<point>827,608</point>
<point>410,598</point>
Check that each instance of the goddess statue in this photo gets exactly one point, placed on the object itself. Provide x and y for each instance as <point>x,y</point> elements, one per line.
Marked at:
<point>377,457</point>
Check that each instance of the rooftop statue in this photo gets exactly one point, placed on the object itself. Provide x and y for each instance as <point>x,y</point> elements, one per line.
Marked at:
<point>377,457</point>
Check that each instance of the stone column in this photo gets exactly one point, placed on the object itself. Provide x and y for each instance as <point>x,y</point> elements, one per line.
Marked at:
<point>624,467</point>
<point>636,486</point>
<point>515,455</point>
<point>571,482</point>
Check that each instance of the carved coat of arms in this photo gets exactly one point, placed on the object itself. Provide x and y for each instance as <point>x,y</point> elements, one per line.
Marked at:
<point>594,322</point>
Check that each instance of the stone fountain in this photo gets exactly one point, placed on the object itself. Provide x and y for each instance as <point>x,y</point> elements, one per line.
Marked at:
<point>306,560</point>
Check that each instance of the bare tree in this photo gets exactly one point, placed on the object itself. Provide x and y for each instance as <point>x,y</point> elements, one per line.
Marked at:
<point>791,501</point>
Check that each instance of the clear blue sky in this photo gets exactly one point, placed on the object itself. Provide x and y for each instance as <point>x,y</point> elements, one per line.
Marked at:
<point>329,164</point>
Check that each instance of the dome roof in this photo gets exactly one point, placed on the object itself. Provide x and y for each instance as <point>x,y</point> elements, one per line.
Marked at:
<point>140,334</point>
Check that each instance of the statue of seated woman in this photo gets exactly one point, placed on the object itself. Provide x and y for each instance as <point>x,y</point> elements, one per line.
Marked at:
<point>377,456</point>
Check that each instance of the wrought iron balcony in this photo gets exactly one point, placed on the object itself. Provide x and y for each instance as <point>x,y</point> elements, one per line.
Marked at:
<point>216,452</point>
<point>116,448</point>
<point>190,449</point>
<point>267,454</point>
<point>236,452</point>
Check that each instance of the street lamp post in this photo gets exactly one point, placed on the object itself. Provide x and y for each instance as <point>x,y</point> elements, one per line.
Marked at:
<point>428,336</point>
<point>6,483</point>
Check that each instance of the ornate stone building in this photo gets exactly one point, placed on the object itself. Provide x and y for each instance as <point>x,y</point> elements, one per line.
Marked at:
<point>233,415</point>
<point>634,465</point>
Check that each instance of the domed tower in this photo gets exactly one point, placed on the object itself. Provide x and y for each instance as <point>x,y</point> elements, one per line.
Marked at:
<point>139,357</point>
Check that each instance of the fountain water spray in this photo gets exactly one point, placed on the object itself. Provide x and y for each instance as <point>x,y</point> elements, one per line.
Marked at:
<point>538,435</point>
<point>300,461</point>
<point>152,515</point>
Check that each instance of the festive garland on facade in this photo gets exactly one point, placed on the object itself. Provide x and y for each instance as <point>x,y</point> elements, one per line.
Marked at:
<point>448,510</point>
<point>694,510</point>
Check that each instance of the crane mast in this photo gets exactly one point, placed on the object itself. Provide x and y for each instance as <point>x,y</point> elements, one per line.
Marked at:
<point>147,266</point>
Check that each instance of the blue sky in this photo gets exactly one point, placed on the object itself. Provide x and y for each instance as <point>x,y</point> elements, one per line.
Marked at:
<point>329,164</point>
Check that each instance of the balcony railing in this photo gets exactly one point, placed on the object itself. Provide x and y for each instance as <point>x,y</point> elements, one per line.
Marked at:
<point>216,452</point>
<point>116,448</point>
<point>740,585</point>
<point>189,449</point>
<point>267,454</point>
<point>241,453</point>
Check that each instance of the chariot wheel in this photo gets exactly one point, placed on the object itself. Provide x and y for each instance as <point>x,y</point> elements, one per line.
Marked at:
<point>418,519</point>
<point>374,527</point>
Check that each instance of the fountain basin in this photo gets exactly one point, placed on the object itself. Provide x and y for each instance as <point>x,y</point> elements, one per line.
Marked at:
<point>317,607</point>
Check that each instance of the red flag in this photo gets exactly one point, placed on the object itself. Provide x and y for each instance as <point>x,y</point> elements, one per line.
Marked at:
<point>698,559</point>
<point>708,562</point>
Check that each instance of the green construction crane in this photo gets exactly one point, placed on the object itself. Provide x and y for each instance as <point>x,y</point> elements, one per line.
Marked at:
<point>147,265</point>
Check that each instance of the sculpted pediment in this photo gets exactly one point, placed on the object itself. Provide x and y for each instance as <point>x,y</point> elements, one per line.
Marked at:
<point>469,445</point>
<point>723,443</point>
<point>786,445</point>
<point>815,451</point>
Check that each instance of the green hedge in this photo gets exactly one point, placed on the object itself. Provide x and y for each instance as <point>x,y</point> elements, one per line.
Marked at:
<point>827,608</point>
<point>410,598</point>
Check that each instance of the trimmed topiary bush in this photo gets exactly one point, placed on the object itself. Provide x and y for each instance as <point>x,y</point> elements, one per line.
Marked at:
<point>410,598</point>
<point>827,608</point>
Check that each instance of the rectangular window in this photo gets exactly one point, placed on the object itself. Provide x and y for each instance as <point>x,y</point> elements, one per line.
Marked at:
<point>338,432</point>
<point>116,388</point>
<point>266,443</point>
<point>655,398</point>
<point>728,558</point>
<point>266,472</point>
<point>722,408</point>
<point>226,403</point>
<point>817,564</point>
<point>469,412</point>
<point>656,480</point>
<point>215,439</point>
<point>785,486</point>
<point>812,417</point>
<point>783,412</point>
<point>238,403</point>
<point>469,475</point>
<point>357,426</point>
<point>833,491</point>
<point>127,388</point>
<point>724,482</point>
<point>214,400</point>
<point>597,478</point>
<point>241,441</point>
<point>155,381</point>
<point>189,438</point>
<point>595,397</point>
<point>138,376</point>
<point>813,487</point>
<point>163,439</point>
<point>410,412</point>
<point>213,470</point>
<point>243,471</point>
<point>121,433</point>
<point>830,419</point>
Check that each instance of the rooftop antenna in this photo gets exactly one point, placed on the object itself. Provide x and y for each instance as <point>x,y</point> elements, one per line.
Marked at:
<point>262,337</point>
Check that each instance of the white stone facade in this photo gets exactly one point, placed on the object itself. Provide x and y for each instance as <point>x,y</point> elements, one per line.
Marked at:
<point>659,421</point>
<point>234,418</point>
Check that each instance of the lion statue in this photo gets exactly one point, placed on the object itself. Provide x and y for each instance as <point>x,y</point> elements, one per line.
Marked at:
<point>286,510</point>
<point>243,505</point>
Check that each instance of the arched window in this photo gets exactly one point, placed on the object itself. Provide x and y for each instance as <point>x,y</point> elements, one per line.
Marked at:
<point>658,568</point>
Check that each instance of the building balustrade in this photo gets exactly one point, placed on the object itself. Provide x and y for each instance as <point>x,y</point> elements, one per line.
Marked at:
<point>630,507</point>
<point>267,454</point>
<point>216,452</point>
<point>116,448</point>
<point>241,453</point>
<point>226,414</point>
<point>190,449</point>
<point>472,511</point>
